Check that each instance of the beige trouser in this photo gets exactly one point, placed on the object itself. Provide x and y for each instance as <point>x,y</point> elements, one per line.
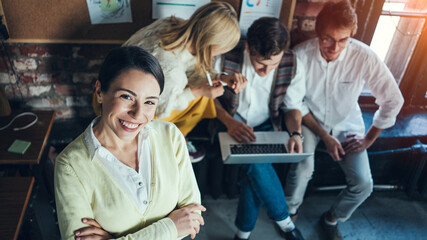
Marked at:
<point>357,173</point>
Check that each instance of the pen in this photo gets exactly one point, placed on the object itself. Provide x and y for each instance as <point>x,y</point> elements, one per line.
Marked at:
<point>209,79</point>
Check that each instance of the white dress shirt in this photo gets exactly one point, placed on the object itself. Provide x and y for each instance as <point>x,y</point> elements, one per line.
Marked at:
<point>332,89</point>
<point>254,98</point>
<point>135,184</point>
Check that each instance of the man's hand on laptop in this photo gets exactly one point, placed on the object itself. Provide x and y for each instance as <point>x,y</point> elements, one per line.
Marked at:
<point>240,131</point>
<point>295,144</point>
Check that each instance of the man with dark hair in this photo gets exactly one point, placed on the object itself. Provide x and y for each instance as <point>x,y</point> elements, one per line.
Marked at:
<point>337,68</point>
<point>268,65</point>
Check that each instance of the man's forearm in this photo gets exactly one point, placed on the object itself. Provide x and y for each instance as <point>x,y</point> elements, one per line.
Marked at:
<point>222,115</point>
<point>309,121</point>
<point>373,133</point>
<point>293,120</point>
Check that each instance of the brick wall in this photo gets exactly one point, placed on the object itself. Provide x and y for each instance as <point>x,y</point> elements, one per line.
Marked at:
<point>305,19</point>
<point>62,76</point>
<point>52,76</point>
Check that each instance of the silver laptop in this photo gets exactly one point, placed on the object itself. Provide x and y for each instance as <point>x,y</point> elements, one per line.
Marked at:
<point>269,147</point>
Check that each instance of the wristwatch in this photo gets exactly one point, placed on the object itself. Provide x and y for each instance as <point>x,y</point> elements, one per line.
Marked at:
<point>299,134</point>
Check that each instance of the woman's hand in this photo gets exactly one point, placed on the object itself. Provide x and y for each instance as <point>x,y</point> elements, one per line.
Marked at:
<point>93,232</point>
<point>205,90</point>
<point>187,221</point>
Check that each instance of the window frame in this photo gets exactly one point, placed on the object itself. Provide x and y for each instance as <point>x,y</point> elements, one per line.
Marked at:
<point>413,84</point>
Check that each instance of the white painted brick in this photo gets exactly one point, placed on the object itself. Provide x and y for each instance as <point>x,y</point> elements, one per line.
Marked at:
<point>39,90</point>
<point>25,64</point>
<point>13,91</point>
<point>39,103</point>
<point>7,78</point>
<point>43,78</point>
<point>32,77</point>
<point>308,25</point>
<point>66,113</point>
<point>46,103</point>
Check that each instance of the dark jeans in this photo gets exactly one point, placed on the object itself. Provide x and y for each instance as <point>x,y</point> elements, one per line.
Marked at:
<point>260,186</point>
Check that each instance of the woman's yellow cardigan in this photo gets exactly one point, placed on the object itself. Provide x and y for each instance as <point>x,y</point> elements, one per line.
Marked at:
<point>85,189</point>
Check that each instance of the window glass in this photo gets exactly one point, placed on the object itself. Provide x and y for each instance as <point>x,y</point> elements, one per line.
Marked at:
<point>397,33</point>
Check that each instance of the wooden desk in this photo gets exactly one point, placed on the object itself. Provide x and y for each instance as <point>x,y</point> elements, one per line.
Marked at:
<point>36,134</point>
<point>14,195</point>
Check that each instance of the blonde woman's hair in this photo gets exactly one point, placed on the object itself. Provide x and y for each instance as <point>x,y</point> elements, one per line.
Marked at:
<point>213,25</point>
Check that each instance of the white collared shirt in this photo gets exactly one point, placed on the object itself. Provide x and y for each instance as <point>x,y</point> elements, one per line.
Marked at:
<point>136,184</point>
<point>332,89</point>
<point>254,98</point>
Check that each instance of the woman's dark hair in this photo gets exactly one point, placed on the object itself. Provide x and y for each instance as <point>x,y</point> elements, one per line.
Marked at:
<point>121,59</point>
<point>267,37</point>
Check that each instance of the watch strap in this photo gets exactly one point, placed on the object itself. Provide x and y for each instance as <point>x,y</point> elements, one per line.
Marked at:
<point>299,134</point>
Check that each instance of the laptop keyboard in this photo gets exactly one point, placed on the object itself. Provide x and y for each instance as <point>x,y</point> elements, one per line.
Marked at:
<point>257,148</point>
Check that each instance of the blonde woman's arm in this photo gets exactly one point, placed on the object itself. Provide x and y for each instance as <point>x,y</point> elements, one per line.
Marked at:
<point>177,92</point>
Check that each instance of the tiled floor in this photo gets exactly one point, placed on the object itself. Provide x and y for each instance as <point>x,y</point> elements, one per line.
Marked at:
<point>385,215</point>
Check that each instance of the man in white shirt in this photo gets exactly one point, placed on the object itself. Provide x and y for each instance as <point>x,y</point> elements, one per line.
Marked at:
<point>337,68</point>
<point>268,65</point>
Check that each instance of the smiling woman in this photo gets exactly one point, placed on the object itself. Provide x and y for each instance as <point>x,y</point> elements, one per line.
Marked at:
<point>107,181</point>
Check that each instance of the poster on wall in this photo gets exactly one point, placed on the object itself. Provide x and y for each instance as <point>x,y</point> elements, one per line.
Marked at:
<point>178,8</point>
<point>109,11</point>
<point>254,9</point>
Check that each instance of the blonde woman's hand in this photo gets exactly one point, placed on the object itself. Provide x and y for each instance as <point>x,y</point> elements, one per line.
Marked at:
<point>205,90</point>
<point>235,81</point>
<point>187,221</point>
<point>93,232</point>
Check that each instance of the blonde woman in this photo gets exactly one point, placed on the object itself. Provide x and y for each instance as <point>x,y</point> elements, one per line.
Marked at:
<point>185,50</point>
